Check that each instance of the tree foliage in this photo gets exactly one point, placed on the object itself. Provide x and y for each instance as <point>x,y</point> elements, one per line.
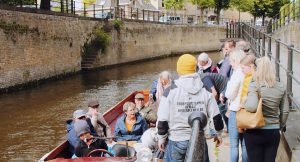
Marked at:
<point>203,4</point>
<point>242,5</point>
<point>175,4</point>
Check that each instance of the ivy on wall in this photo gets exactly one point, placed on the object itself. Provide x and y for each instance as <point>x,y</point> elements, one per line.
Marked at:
<point>98,40</point>
<point>11,29</point>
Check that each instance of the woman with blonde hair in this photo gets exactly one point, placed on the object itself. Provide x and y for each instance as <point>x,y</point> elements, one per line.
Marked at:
<point>262,143</point>
<point>233,93</point>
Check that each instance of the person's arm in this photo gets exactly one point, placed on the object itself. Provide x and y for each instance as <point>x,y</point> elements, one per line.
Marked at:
<point>145,125</point>
<point>233,86</point>
<point>118,130</point>
<point>284,110</point>
<point>107,127</point>
<point>163,119</point>
<point>251,100</point>
<point>215,116</point>
<point>150,115</point>
<point>78,151</point>
<point>153,89</point>
<point>225,67</point>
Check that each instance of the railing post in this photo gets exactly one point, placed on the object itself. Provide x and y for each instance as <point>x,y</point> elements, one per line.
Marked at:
<point>227,29</point>
<point>94,10</point>
<point>84,13</point>
<point>289,13</point>
<point>299,11</point>
<point>102,11</point>
<point>131,13</point>
<point>230,30</point>
<point>67,6</point>
<point>294,11</point>
<point>277,59</point>
<point>284,17</point>
<point>263,45</point>
<point>71,6</point>
<point>270,47</point>
<point>62,6</point>
<point>143,15</point>
<point>196,147</point>
<point>258,43</point>
<point>74,9</point>
<point>289,85</point>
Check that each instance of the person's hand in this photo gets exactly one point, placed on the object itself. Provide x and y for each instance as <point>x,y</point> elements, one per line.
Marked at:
<point>218,140</point>
<point>222,99</point>
<point>161,146</point>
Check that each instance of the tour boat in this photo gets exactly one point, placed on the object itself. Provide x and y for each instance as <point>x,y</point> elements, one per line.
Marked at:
<point>62,153</point>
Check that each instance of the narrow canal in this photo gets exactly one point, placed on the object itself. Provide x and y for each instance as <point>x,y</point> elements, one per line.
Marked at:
<point>33,121</point>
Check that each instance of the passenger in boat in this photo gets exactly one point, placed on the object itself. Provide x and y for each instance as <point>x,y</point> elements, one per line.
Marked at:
<point>146,112</point>
<point>71,134</point>
<point>131,125</point>
<point>262,144</point>
<point>204,64</point>
<point>98,121</point>
<point>233,93</point>
<point>179,101</point>
<point>87,141</point>
<point>225,68</point>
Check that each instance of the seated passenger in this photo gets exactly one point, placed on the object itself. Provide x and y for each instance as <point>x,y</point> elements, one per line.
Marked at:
<point>146,112</point>
<point>204,63</point>
<point>97,120</point>
<point>87,143</point>
<point>71,134</point>
<point>131,125</point>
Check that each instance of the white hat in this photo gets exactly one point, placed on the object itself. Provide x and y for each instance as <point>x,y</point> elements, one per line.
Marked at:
<point>203,57</point>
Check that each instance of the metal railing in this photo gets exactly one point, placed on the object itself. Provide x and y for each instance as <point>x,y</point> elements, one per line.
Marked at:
<point>196,147</point>
<point>288,13</point>
<point>93,10</point>
<point>282,55</point>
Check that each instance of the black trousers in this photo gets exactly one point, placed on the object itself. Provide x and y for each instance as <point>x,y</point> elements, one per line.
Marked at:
<point>262,144</point>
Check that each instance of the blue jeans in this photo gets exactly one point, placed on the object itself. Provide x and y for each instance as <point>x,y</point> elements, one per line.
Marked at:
<point>175,151</point>
<point>235,140</point>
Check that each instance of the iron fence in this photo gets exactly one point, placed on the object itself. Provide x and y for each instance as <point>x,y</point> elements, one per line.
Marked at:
<point>93,10</point>
<point>283,55</point>
<point>288,13</point>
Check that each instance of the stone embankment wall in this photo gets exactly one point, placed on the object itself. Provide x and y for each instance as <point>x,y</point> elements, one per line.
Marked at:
<point>140,40</point>
<point>35,47</point>
<point>289,34</point>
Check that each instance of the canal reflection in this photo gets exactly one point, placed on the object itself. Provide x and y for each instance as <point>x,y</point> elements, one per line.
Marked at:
<point>33,121</point>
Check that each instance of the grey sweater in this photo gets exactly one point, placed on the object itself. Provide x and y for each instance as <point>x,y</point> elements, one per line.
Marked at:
<point>275,104</point>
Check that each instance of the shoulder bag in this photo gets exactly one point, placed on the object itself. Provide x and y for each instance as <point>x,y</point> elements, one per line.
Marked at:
<point>249,120</point>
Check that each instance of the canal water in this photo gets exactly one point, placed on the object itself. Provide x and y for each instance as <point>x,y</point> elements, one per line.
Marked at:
<point>33,121</point>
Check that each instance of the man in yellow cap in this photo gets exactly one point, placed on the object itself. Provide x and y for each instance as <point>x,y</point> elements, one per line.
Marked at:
<point>181,99</point>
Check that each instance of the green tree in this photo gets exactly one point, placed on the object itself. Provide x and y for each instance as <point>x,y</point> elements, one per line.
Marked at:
<point>202,5</point>
<point>219,5</point>
<point>176,4</point>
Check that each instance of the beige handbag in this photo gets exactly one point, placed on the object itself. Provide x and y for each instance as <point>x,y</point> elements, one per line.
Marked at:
<point>249,120</point>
